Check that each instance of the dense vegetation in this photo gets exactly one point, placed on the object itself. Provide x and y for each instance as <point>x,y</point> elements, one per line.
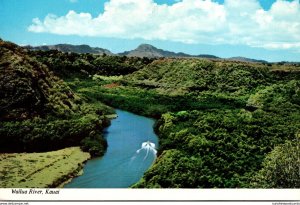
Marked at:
<point>280,167</point>
<point>218,120</point>
<point>39,112</point>
<point>68,65</point>
<point>216,148</point>
<point>220,123</point>
<point>226,147</point>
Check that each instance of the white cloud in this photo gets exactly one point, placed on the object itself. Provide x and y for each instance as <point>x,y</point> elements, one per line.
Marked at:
<point>189,21</point>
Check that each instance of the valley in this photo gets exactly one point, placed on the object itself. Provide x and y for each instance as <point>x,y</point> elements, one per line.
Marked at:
<point>220,123</point>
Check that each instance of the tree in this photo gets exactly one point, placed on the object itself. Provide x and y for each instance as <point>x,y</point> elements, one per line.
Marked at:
<point>281,167</point>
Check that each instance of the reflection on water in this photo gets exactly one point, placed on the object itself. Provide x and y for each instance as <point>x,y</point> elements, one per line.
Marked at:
<point>131,151</point>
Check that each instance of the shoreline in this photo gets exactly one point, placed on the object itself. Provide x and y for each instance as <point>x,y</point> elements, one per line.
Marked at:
<point>78,172</point>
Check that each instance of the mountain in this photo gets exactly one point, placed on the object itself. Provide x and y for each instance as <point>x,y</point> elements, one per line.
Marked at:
<point>72,48</point>
<point>149,51</point>
<point>207,56</point>
<point>39,111</point>
<point>27,86</point>
<point>243,59</point>
<point>143,50</point>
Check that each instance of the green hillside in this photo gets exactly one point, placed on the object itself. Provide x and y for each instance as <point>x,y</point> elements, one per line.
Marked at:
<point>220,123</point>
<point>68,65</point>
<point>39,112</point>
<point>224,146</point>
<point>221,120</point>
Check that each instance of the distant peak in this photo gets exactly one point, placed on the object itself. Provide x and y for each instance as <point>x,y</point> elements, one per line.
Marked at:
<point>146,46</point>
<point>83,48</point>
<point>71,45</point>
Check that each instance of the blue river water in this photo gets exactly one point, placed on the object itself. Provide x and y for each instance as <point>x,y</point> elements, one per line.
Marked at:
<point>121,166</point>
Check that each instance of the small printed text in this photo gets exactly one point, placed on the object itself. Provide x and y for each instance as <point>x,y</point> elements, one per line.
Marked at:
<point>35,191</point>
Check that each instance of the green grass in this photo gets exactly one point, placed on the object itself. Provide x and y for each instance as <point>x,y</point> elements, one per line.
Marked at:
<point>40,170</point>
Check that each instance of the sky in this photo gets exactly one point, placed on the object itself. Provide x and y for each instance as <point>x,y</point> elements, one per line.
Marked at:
<point>259,29</point>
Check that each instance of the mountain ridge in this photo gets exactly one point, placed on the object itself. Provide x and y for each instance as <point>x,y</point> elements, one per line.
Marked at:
<point>83,48</point>
<point>143,50</point>
<point>147,50</point>
<point>39,112</point>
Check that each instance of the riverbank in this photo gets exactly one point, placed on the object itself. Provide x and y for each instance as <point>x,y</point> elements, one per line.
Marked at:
<point>124,162</point>
<point>41,170</point>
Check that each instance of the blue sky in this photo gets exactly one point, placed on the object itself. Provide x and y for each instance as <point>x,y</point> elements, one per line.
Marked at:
<point>265,29</point>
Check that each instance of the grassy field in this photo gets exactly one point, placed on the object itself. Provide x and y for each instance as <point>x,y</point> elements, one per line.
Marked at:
<point>40,170</point>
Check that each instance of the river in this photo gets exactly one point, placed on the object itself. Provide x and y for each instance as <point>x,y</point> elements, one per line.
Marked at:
<point>121,166</point>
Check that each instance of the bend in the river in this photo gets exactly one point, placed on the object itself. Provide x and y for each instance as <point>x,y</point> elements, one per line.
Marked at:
<point>121,166</point>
